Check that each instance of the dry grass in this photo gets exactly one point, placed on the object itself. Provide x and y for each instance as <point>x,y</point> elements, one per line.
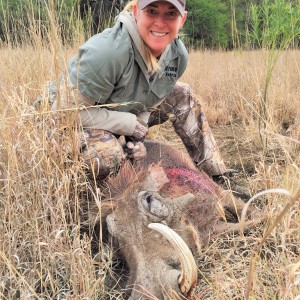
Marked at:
<point>43,254</point>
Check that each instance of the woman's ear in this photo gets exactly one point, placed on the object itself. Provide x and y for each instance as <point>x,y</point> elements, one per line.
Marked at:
<point>135,10</point>
<point>183,19</point>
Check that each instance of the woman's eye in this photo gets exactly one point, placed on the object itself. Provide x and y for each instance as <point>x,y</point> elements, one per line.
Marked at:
<point>151,12</point>
<point>172,14</point>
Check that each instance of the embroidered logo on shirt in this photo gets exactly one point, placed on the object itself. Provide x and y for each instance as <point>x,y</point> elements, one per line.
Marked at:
<point>171,71</point>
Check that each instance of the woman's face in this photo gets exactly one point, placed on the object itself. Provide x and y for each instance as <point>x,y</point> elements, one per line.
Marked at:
<point>158,24</point>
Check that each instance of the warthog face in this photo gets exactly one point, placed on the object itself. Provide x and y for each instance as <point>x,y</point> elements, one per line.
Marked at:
<point>154,264</point>
<point>161,219</point>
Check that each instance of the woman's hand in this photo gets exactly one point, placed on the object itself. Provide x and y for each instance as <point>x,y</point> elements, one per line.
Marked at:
<point>139,132</point>
<point>136,150</point>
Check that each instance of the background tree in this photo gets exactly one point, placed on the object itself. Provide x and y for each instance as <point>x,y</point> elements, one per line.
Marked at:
<point>20,20</point>
<point>100,12</point>
<point>208,24</point>
<point>211,24</point>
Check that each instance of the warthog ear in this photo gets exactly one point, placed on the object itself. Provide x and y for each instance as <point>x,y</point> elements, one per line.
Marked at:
<point>182,202</point>
<point>156,178</point>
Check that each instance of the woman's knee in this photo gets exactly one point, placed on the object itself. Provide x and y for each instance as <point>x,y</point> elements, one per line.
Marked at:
<point>182,88</point>
<point>181,99</point>
<point>176,105</point>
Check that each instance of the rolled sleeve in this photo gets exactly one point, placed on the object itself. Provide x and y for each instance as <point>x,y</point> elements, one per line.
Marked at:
<point>121,123</point>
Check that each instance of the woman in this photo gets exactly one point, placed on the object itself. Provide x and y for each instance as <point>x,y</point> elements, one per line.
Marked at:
<point>125,80</point>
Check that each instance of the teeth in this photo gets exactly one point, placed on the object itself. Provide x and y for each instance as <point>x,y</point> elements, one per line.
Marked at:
<point>158,33</point>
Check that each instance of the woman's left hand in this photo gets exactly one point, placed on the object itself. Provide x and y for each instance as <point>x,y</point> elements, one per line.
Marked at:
<point>136,150</point>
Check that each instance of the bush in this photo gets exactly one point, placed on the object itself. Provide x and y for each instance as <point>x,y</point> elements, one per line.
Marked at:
<point>208,24</point>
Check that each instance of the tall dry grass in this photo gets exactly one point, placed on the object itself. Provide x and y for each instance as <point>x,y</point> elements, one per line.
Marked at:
<point>44,193</point>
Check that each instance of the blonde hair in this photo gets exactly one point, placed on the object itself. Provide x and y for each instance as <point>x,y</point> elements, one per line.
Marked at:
<point>152,60</point>
<point>129,6</point>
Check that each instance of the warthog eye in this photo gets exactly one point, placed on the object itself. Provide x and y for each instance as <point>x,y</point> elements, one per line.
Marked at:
<point>153,205</point>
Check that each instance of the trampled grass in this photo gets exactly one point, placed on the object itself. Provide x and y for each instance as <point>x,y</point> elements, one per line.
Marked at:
<point>44,195</point>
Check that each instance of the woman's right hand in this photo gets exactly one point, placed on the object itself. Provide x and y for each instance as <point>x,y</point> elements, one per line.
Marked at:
<point>139,132</point>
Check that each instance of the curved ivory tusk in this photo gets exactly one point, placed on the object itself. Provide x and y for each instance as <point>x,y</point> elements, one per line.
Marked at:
<point>188,278</point>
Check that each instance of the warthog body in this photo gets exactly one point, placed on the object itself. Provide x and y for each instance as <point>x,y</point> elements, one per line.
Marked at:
<point>165,188</point>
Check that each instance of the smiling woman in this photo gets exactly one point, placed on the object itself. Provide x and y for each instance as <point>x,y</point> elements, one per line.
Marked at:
<point>158,23</point>
<point>125,79</point>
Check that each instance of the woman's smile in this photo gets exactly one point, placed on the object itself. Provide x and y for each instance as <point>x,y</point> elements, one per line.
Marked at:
<point>159,34</point>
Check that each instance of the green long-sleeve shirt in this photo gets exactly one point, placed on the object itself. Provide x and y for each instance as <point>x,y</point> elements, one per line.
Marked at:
<point>109,69</point>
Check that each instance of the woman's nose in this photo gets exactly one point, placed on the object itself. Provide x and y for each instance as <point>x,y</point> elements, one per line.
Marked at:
<point>160,20</point>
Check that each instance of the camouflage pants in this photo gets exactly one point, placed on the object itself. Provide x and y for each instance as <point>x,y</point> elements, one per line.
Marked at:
<point>191,125</point>
<point>103,152</point>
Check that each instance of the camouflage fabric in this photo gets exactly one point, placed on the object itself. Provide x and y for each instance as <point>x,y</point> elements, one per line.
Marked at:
<point>101,151</point>
<point>190,123</point>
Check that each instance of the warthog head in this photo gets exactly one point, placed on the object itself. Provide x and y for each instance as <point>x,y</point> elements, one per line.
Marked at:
<point>154,263</point>
<point>163,213</point>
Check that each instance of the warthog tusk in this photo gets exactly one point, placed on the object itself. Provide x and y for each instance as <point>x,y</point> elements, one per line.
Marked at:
<point>188,278</point>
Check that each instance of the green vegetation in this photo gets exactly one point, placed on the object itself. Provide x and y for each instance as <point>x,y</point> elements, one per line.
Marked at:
<point>211,24</point>
<point>275,27</point>
<point>207,24</point>
<point>22,20</point>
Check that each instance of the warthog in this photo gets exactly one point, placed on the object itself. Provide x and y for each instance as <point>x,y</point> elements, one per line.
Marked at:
<point>163,211</point>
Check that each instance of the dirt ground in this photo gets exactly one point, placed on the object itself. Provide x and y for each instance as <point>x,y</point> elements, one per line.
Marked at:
<point>239,152</point>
